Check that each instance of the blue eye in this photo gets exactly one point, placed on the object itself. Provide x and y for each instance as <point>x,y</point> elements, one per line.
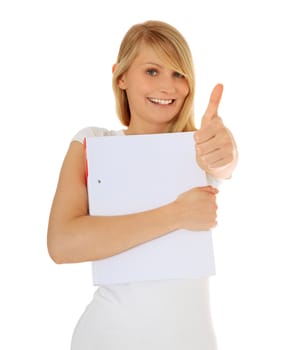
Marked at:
<point>178,75</point>
<point>152,72</point>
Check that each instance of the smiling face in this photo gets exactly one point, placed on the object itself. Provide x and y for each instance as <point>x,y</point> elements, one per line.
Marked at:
<point>155,93</point>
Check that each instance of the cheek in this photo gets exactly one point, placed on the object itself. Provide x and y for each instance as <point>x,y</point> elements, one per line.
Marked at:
<point>184,89</point>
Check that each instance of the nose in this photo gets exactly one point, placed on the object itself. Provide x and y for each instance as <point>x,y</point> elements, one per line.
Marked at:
<point>167,84</point>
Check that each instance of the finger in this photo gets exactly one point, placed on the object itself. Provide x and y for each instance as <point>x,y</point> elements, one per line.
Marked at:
<point>217,159</point>
<point>209,131</point>
<point>214,101</point>
<point>206,147</point>
<point>224,162</point>
<point>209,189</point>
<point>212,139</point>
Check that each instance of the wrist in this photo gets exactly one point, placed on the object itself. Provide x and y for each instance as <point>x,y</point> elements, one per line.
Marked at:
<point>171,215</point>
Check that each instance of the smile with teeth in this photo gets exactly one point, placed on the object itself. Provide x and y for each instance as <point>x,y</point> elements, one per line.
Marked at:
<point>160,101</point>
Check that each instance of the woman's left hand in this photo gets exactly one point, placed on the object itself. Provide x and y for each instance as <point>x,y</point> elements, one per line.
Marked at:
<point>216,150</point>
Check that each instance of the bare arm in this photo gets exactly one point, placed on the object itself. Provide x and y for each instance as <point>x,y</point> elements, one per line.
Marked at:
<point>74,236</point>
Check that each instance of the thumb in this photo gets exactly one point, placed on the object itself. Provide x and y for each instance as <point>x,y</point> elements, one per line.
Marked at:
<point>212,108</point>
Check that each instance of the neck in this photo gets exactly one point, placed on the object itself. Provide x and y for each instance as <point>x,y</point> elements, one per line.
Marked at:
<point>147,129</point>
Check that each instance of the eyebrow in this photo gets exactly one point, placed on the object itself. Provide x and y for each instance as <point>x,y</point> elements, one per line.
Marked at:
<point>152,64</point>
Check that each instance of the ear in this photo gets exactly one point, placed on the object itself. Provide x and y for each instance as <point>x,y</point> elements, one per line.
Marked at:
<point>114,67</point>
<point>121,79</point>
<point>122,82</point>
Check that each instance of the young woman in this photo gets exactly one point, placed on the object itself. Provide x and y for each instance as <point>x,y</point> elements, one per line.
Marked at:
<point>154,83</point>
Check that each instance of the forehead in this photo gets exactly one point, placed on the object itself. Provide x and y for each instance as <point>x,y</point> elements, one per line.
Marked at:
<point>146,54</point>
<point>162,55</point>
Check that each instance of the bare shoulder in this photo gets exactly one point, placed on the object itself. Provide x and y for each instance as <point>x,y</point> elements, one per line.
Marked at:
<point>71,197</point>
<point>73,167</point>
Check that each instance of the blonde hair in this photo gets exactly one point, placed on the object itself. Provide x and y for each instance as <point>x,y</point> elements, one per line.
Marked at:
<point>173,49</point>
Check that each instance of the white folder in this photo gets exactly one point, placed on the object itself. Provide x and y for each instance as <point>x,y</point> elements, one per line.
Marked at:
<point>128,174</point>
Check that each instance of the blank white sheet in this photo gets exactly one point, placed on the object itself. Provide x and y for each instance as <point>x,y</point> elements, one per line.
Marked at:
<point>128,174</point>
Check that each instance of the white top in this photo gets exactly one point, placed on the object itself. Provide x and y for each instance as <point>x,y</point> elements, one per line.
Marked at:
<point>166,314</point>
<point>95,131</point>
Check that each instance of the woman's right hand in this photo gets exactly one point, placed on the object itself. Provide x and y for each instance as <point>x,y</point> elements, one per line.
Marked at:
<point>196,209</point>
<point>75,236</point>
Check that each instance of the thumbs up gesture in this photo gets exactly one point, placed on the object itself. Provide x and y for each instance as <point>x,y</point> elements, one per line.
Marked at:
<point>216,150</point>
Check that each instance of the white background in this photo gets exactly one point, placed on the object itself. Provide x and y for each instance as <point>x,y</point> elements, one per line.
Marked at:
<point>55,78</point>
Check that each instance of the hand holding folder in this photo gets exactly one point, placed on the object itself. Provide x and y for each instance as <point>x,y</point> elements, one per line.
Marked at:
<point>128,174</point>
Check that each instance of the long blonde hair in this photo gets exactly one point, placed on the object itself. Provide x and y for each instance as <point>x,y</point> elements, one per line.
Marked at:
<point>173,49</point>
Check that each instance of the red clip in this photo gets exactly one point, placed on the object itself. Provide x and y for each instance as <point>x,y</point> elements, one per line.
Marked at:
<point>86,160</point>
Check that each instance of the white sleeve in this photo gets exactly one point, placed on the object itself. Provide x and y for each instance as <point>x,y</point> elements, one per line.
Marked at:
<point>216,183</point>
<point>90,131</point>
